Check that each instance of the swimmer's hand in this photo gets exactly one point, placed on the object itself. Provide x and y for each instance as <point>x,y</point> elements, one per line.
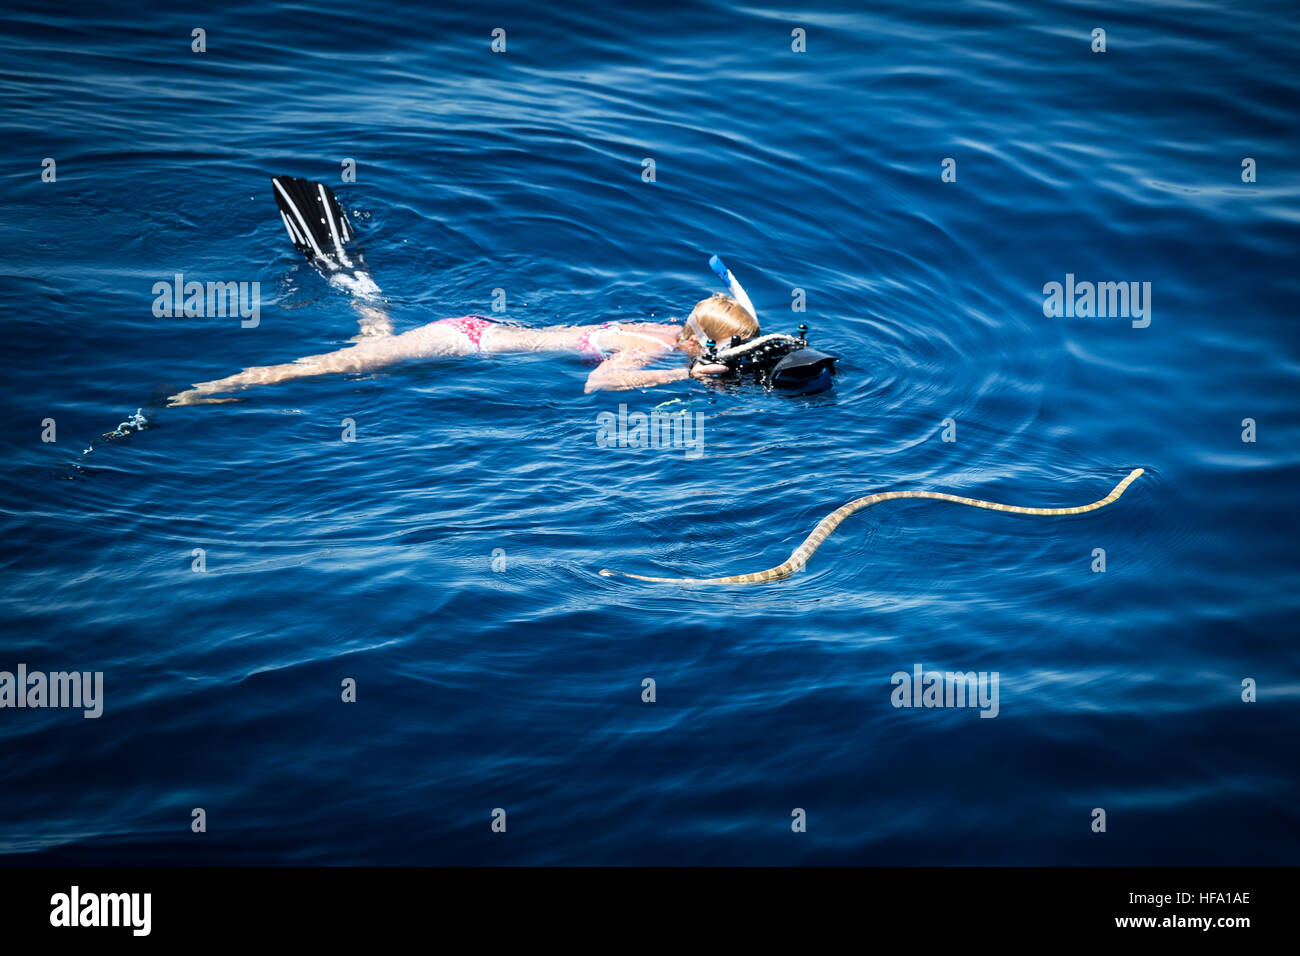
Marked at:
<point>702,370</point>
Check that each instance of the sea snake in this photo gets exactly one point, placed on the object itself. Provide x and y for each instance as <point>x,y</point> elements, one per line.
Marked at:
<point>801,554</point>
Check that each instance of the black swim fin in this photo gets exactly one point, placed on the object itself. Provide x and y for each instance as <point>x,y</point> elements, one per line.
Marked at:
<point>320,229</point>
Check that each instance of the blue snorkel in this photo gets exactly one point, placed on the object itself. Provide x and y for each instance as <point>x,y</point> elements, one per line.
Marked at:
<point>733,286</point>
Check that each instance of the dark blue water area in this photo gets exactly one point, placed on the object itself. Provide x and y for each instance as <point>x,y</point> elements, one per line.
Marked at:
<point>447,559</point>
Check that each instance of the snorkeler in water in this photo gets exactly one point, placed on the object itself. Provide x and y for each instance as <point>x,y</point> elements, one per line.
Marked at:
<point>319,228</point>
<point>721,338</point>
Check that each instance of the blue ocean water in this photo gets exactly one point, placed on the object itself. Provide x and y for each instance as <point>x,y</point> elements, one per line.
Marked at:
<point>446,560</point>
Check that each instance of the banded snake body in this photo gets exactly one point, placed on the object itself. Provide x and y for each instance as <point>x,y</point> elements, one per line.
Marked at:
<point>827,525</point>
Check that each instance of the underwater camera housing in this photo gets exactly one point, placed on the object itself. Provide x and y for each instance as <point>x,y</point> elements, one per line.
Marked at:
<point>784,362</point>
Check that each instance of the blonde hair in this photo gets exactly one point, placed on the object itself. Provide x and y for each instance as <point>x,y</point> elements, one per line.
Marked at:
<point>720,317</point>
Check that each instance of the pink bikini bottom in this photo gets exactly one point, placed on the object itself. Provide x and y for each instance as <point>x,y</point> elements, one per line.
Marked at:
<point>470,326</point>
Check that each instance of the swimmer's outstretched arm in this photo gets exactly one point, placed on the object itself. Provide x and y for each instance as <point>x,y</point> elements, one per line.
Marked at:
<point>627,370</point>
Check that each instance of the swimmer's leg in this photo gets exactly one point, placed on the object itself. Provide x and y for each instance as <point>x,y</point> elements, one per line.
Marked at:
<point>429,341</point>
<point>319,229</point>
<point>373,321</point>
<point>357,358</point>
